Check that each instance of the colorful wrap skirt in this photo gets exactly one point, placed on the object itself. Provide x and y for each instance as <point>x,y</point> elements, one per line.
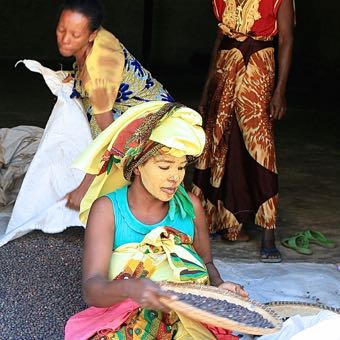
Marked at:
<point>236,176</point>
<point>165,254</point>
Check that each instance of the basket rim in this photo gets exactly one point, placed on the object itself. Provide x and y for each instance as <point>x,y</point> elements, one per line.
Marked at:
<point>219,321</point>
<point>292,307</point>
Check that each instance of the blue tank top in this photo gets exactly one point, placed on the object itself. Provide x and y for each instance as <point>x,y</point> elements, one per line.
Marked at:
<point>128,229</point>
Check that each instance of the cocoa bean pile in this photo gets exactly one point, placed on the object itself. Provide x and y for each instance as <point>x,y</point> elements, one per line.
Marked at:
<point>40,284</point>
<point>225,309</point>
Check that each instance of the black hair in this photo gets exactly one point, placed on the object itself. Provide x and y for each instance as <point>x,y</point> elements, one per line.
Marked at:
<point>89,8</point>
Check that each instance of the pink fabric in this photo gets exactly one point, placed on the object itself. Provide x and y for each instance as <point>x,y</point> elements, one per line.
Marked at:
<point>87,323</point>
<point>221,333</point>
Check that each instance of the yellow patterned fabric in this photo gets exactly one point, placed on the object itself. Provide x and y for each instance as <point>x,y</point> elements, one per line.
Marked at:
<point>164,255</point>
<point>104,65</point>
<point>180,132</point>
<point>113,80</point>
<point>103,72</point>
<point>239,17</point>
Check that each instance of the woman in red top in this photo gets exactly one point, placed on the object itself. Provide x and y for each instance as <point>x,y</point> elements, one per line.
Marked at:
<point>236,176</point>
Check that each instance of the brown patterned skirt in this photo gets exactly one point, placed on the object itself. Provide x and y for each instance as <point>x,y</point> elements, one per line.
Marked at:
<point>236,176</point>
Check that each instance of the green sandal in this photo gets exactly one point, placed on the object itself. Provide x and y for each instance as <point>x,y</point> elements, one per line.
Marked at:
<point>318,238</point>
<point>299,243</point>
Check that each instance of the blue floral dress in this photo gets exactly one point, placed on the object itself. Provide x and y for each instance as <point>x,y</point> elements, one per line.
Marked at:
<point>130,85</point>
<point>138,86</point>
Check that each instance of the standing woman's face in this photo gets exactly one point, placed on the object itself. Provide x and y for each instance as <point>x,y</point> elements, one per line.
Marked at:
<point>73,34</point>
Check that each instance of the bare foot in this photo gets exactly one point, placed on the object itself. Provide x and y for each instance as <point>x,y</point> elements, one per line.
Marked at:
<point>241,237</point>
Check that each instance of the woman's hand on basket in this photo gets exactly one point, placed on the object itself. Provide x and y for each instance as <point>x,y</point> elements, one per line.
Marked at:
<point>148,294</point>
<point>234,287</point>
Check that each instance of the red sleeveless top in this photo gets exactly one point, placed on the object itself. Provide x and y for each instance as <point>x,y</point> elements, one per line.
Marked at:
<point>256,18</point>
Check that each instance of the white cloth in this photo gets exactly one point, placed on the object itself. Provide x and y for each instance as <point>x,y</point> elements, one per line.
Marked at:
<point>40,203</point>
<point>267,282</point>
<point>17,148</point>
<point>325,325</point>
<point>298,281</point>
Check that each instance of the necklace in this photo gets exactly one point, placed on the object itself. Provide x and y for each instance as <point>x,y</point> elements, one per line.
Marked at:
<point>239,9</point>
<point>240,3</point>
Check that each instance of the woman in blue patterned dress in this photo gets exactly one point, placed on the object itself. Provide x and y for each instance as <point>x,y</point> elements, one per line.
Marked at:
<point>129,83</point>
<point>107,77</point>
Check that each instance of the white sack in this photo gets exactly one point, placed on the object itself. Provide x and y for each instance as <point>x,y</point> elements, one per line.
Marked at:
<point>40,204</point>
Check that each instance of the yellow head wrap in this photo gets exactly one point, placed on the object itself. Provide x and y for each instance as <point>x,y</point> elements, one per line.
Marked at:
<point>176,127</point>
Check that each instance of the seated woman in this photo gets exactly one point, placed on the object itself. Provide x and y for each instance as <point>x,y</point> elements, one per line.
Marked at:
<point>106,76</point>
<point>145,228</point>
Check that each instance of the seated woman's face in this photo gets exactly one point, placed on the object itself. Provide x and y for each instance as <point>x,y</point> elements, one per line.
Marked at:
<point>161,175</point>
<point>73,33</point>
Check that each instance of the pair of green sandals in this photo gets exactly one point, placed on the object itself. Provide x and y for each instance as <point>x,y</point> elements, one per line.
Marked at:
<point>301,241</point>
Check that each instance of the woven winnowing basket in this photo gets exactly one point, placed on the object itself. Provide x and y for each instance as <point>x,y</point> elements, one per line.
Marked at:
<point>286,309</point>
<point>203,316</point>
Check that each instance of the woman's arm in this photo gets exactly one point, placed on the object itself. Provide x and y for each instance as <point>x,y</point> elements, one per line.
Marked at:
<point>97,289</point>
<point>104,75</point>
<point>104,119</point>
<point>75,196</point>
<point>285,20</point>
<point>211,71</point>
<point>102,98</point>
<point>98,244</point>
<point>203,249</point>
